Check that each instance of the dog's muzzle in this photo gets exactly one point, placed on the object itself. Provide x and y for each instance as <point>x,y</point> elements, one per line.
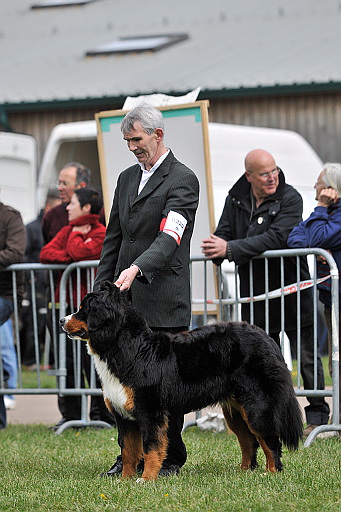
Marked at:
<point>80,333</point>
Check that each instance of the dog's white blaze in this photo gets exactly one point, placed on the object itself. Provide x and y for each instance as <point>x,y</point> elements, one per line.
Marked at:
<point>112,388</point>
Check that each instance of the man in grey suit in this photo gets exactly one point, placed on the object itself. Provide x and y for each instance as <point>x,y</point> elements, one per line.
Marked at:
<point>147,244</point>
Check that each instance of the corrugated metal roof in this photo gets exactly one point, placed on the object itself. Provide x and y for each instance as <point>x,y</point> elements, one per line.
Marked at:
<point>231,45</point>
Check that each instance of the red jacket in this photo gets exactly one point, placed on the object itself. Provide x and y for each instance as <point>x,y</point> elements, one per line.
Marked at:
<point>56,218</point>
<point>69,246</point>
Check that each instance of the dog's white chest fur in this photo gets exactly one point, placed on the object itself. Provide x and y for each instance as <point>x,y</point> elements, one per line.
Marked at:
<point>112,388</point>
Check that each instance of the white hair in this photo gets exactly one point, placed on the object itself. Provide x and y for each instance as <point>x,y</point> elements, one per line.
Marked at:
<point>150,118</point>
<point>332,176</point>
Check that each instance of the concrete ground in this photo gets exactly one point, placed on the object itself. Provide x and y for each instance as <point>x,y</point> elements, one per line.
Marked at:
<point>43,409</point>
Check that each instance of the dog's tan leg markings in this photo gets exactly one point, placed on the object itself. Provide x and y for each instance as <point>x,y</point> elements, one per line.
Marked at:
<point>246,440</point>
<point>131,452</point>
<point>154,458</point>
<point>270,461</point>
<point>130,402</point>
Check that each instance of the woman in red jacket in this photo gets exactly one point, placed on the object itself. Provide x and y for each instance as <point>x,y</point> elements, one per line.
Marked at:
<point>81,240</point>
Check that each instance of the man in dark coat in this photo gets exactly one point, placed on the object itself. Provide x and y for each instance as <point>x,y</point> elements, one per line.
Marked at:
<point>259,213</point>
<point>147,244</point>
<point>12,249</point>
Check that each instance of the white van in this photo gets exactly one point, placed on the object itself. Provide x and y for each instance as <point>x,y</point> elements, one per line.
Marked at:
<point>77,141</point>
<point>18,173</point>
<point>229,144</point>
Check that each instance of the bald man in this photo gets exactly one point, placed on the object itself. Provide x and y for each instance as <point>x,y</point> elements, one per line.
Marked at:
<point>259,213</point>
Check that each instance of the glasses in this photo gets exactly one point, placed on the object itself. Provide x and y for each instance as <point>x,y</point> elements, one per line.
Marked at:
<point>266,175</point>
<point>63,184</point>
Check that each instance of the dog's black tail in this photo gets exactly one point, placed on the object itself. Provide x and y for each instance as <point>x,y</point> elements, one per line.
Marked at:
<point>290,420</point>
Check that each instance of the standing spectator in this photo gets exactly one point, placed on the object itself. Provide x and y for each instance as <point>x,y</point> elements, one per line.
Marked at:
<point>71,177</point>
<point>323,229</point>
<point>142,249</point>
<point>81,240</point>
<point>259,213</point>
<point>12,249</point>
<point>34,243</point>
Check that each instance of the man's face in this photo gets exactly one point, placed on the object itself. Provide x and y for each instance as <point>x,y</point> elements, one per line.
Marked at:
<point>144,146</point>
<point>67,183</point>
<point>264,179</point>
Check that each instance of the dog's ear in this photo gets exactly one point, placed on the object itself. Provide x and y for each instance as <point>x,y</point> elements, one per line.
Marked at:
<point>97,318</point>
<point>98,310</point>
<point>115,293</point>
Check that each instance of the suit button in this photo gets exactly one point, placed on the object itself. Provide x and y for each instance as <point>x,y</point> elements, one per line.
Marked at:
<point>132,240</point>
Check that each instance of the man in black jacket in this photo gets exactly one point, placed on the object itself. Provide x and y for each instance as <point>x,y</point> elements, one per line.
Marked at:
<point>259,213</point>
<point>147,244</point>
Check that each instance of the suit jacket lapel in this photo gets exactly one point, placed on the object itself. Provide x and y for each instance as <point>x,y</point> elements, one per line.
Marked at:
<point>157,178</point>
<point>134,184</point>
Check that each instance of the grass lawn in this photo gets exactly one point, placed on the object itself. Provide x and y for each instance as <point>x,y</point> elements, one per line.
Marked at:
<point>42,472</point>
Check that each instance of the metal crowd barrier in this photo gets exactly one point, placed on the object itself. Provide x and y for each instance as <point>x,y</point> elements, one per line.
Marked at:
<point>228,308</point>
<point>216,298</point>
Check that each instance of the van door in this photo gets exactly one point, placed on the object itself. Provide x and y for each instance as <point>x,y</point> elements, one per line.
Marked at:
<point>18,173</point>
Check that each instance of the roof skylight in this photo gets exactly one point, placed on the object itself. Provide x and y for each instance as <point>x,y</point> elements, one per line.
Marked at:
<point>137,44</point>
<point>59,3</point>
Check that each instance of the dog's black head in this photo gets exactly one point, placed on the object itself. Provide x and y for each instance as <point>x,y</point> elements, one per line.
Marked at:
<point>98,312</point>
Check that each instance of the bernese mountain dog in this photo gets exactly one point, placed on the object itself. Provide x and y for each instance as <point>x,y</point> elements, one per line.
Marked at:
<point>147,375</point>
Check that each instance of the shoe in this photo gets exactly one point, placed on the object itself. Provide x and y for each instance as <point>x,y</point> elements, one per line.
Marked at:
<point>59,424</point>
<point>116,468</point>
<point>9,403</point>
<point>309,428</point>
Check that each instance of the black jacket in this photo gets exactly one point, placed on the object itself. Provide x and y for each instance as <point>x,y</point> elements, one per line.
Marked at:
<point>12,249</point>
<point>250,233</point>
<point>133,236</point>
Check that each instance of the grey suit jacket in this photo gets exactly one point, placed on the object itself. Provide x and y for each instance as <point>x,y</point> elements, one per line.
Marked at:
<point>133,235</point>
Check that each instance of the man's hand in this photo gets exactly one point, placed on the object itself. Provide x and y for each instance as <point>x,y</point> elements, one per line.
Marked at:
<point>126,277</point>
<point>327,196</point>
<point>214,247</point>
